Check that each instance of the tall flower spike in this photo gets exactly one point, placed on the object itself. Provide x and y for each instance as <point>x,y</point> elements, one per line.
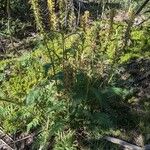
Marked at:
<point>53,21</point>
<point>36,11</point>
<point>85,20</point>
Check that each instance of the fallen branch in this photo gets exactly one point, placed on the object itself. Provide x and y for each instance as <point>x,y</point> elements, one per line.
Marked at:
<point>123,143</point>
<point>6,141</point>
<point>4,145</point>
<point>126,145</point>
<point>25,138</point>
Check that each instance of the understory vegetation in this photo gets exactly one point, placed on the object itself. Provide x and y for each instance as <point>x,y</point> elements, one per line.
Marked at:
<point>67,82</point>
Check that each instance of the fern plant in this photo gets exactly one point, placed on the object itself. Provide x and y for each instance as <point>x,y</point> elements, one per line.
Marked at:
<point>65,141</point>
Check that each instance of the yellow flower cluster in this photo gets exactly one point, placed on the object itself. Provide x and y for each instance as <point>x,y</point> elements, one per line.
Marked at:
<point>85,19</point>
<point>52,16</point>
<point>36,10</point>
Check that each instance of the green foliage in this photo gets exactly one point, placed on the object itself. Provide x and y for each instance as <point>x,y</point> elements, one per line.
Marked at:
<point>69,84</point>
<point>65,141</point>
<point>139,46</point>
<point>41,109</point>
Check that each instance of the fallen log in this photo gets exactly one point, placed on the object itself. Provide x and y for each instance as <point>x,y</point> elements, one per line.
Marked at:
<point>126,145</point>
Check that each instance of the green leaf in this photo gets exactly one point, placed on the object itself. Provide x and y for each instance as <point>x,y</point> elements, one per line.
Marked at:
<point>2,95</point>
<point>32,96</point>
<point>33,124</point>
<point>2,112</point>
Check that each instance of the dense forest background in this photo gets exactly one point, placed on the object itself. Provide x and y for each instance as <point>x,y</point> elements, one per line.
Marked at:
<point>74,74</point>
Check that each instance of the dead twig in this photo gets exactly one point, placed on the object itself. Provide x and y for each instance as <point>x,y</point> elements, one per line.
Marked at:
<point>4,145</point>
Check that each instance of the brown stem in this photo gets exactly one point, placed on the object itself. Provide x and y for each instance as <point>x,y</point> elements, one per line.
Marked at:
<point>141,7</point>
